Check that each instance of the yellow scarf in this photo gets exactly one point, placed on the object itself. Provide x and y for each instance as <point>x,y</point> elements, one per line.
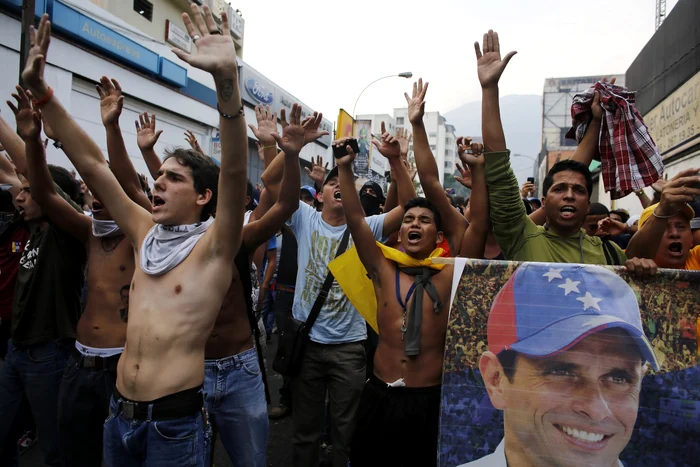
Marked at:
<point>352,277</point>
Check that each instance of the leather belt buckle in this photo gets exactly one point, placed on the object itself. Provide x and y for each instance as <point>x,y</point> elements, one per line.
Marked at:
<point>129,409</point>
<point>89,361</point>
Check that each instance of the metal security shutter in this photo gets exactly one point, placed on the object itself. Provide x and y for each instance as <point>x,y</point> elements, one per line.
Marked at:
<point>85,109</point>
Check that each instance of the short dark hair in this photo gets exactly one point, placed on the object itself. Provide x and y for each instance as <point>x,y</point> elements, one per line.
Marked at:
<point>419,202</point>
<point>597,209</point>
<point>573,166</point>
<point>65,181</point>
<point>459,200</point>
<point>250,192</point>
<point>205,174</point>
<point>624,215</point>
<point>507,360</point>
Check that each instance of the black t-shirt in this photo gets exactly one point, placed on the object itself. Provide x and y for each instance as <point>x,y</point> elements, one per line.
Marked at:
<point>287,267</point>
<point>46,304</point>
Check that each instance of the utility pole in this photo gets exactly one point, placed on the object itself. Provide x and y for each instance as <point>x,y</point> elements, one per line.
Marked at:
<point>28,7</point>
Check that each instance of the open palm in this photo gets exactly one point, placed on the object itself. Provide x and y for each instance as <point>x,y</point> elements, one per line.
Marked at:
<point>489,65</point>
<point>318,170</point>
<point>111,100</point>
<point>28,121</point>
<point>416,103</point>
<point>292,139</point>
<point>215,49</point>
<point>267,124</point>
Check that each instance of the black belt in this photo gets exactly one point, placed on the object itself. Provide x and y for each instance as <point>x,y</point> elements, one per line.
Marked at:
<point>178,405</point>
<point>96,363</point>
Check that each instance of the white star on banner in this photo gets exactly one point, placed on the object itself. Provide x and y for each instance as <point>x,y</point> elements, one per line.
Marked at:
<point>553,274</point>
<point>570,286</point>
<point>589,301</point>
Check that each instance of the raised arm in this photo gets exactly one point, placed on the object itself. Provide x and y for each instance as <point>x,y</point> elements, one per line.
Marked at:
<point>291,142</point>
<point>681,189</point>
<point>454,224</point>
<point>13,144</point>
<point>191,139</point>
<point>80,149</point>
<point>367,249</point>
<point>587,149</point>
<point>216,54</point>
<point>474,241</point>
<point>390,148</point>
<point>267,151</point>
<point>146,138</point>
<point>52,204</point>
<point>111,103</point>
<point>392,197</point>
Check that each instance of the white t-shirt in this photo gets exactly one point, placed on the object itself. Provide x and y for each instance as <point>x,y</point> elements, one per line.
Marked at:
<point>339,321</point>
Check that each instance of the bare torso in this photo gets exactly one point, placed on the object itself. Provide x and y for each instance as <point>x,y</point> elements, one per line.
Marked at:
<point>170,319</point>
<point>231,334</point>
<point>390,360</point>
<point>109,273</point>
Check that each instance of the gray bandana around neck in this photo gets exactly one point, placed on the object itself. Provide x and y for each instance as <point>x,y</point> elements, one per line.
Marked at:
<point>167,246</point>
<point>105,228</point>
<point>422,281</point>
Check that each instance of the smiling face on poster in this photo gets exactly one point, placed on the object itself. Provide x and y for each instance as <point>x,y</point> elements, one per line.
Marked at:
<point>566,371</point>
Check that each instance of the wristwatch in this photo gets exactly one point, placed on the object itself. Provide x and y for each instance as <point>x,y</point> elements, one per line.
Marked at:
<point>639,192</point>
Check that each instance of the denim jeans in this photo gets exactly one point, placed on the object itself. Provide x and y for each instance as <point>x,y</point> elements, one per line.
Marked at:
<point>36,372</point>
<point>268,314</point>
<point>235,400</point>
<point>83,407</point>
<point>182,441</point>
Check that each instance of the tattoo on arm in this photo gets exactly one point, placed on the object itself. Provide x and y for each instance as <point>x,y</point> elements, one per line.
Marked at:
<point>226,89</point>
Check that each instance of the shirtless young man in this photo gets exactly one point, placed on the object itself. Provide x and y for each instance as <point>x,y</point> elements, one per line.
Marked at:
<point>400,405</point>
<point>233,384</point>
<point>157,415</point>
<point>91,372</point>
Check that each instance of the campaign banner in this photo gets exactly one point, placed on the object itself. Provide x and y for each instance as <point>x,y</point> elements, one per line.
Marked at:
<point>363,134</point>
<point>543,366</point>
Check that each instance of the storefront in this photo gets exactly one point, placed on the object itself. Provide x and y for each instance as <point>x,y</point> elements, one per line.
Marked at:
<point>88,42</point>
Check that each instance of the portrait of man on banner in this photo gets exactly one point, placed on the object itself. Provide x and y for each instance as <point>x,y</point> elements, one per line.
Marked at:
<point>565,371</point>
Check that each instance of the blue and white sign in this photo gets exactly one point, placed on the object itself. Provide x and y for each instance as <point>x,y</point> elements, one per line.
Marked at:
<point>258,91</point>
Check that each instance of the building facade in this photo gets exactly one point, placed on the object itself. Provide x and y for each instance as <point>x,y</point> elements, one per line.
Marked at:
<point>89,40</point>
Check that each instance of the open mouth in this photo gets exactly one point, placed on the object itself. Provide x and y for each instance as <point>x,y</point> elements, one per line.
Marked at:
<point>567,212</point>
<point>97,206</point>
<point>586,439</point>
<point>336,195</point>
<point>414,236</point>
<point>22,212</point>
<point>676,249</point>
<point>157,201</point>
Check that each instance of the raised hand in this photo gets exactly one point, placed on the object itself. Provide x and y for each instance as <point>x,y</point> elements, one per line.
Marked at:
<point>28,120</point>
<point>388,146</point>
<point>416,103</point>
<point>683,188</point>
<point>267,124</point>
<point>191,139</point>
<point>311,125</point>
<point>215,51</point>
<point>404,139</point>
<point>292,139</point>
<point>471,154</point>
<point>33,73</point>
<point>146,134</point>
<point>318,170</point>
<point>465,176</point>
<point>596,108</point>
<point>111,100</point>
<point>528,189</point>
<point>489,66</point>
<point>347,159</point>
<point>412,170</point>
<point>612,227</point>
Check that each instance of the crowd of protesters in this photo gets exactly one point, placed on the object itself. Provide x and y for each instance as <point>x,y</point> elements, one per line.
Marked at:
<point>133,319</point>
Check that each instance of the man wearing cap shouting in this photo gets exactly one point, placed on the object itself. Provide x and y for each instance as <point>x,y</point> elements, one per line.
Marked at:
<point>664,228</point>
<point>567,375</point>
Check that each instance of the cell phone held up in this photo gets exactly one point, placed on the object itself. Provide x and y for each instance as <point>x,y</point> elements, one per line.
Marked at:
<point>340,151</point>
<point>531,179</point>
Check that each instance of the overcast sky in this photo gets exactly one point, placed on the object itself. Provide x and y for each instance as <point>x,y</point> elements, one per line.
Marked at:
<point>325,53</point>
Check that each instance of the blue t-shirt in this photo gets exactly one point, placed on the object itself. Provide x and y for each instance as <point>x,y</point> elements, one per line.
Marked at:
<point>339,321</point>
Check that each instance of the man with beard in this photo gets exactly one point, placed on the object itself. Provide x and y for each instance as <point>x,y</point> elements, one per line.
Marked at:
<point>664,228</point>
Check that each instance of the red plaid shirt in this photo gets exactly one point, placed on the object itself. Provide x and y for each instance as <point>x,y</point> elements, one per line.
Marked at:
<point>630,159</point>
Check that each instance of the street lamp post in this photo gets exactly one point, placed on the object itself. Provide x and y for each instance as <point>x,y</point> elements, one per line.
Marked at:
<point>405,74</point>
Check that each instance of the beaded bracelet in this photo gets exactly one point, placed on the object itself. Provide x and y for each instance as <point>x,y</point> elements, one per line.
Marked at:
<point>230,117</point>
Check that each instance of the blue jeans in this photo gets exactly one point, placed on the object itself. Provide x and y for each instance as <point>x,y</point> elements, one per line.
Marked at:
<point>36,372</point>
<point>235,400</point>
<point>268,311</point>
<point>183,441</point>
